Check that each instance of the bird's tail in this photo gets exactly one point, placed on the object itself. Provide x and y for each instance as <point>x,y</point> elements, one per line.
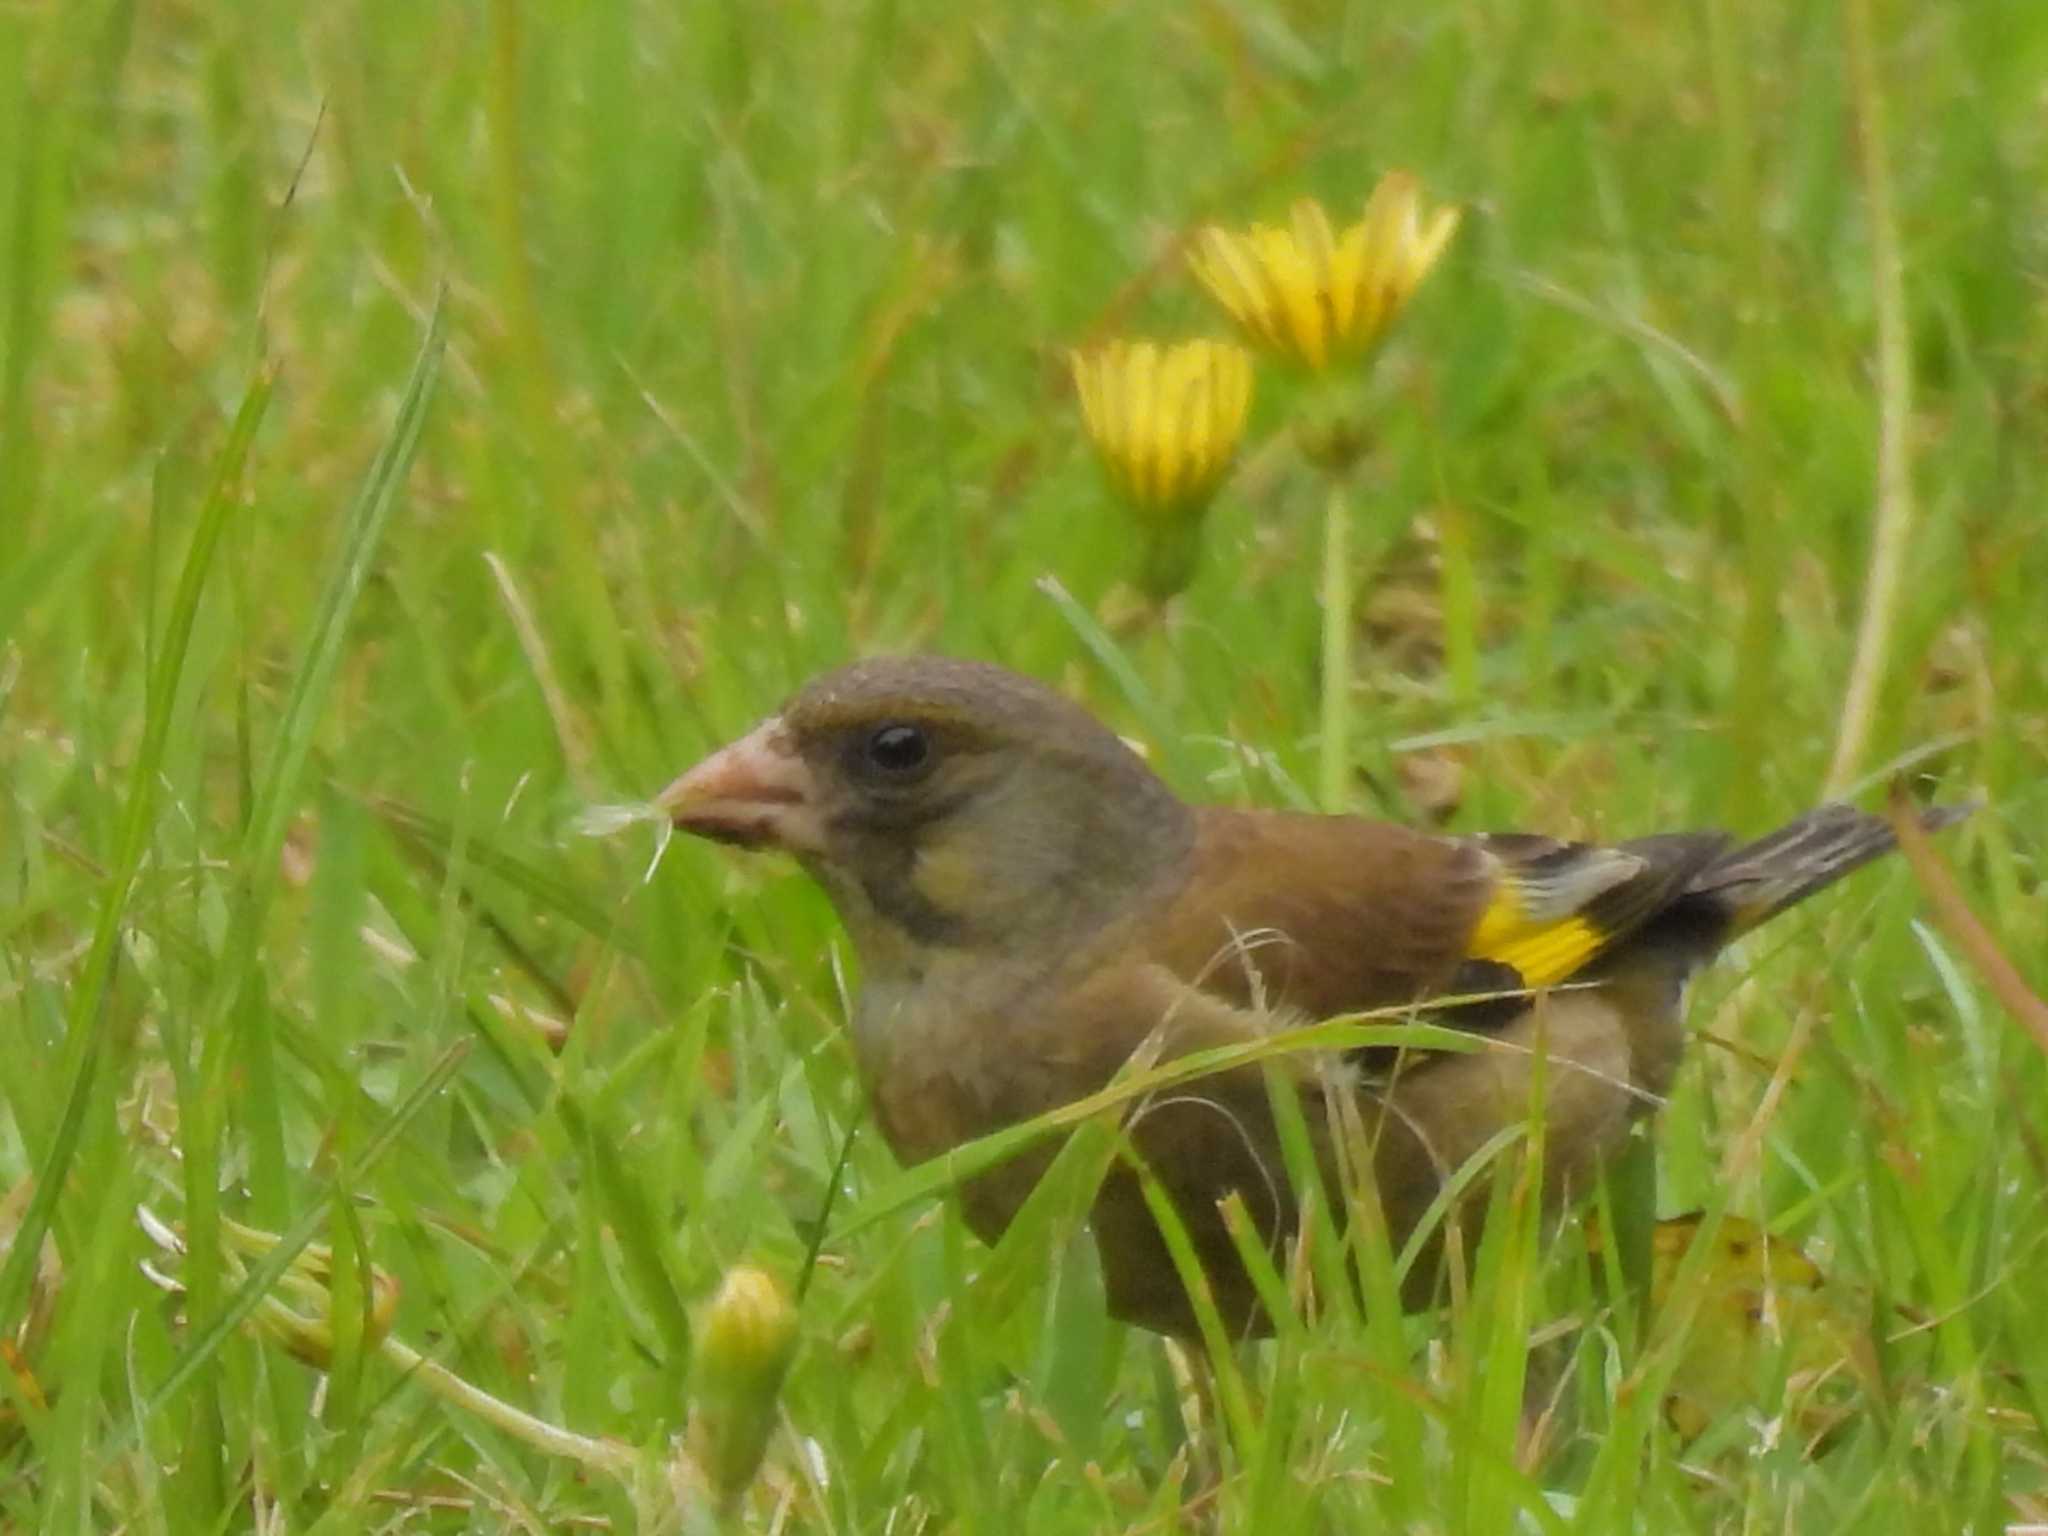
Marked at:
<point>1755,882</point>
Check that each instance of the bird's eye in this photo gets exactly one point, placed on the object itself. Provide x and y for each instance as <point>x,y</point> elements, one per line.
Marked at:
<point>899,750</point>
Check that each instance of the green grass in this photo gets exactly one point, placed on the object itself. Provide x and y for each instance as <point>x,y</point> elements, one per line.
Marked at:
<point>612,369</point>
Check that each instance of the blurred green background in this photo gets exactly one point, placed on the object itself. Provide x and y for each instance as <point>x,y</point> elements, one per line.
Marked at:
<point>755,320</point>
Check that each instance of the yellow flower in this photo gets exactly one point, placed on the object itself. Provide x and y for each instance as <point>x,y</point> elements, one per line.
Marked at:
<point>1316,297</point>
<point>1166,419</point>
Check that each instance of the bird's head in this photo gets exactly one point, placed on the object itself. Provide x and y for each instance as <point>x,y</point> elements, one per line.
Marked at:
<point>943,804</point>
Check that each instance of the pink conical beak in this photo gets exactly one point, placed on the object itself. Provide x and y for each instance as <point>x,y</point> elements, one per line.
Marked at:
<point>756,793</point>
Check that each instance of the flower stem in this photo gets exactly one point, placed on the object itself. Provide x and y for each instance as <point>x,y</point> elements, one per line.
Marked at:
<point>1334,766</point>
<point>549,1439</point>
<point>1895,411</point>
<point>1730,32</point>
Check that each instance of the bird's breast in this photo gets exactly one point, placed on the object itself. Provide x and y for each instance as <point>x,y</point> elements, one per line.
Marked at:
<point>932,1064</point>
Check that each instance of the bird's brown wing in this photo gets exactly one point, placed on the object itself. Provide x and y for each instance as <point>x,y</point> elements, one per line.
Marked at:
<point>1321,915</point>
<point>1324,915</point>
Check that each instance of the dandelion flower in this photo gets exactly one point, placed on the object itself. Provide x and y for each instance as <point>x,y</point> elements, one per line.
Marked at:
<point>1165,419</point>
<point>1316,297</point>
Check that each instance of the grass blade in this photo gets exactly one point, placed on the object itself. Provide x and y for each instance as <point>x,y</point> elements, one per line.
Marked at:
<point>292,1241</point>
<point>84,1027</point>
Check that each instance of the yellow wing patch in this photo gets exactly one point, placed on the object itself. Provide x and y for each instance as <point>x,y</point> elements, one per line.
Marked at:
<point>1542,951</point>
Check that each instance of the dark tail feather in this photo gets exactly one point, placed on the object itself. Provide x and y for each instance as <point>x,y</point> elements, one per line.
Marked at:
<point>1763,878</point>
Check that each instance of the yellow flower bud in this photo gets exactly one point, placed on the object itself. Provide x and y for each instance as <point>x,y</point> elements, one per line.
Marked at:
<point>746,1336</point>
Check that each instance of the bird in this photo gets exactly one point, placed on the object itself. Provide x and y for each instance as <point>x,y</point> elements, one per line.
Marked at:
<point>1031,906</point>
